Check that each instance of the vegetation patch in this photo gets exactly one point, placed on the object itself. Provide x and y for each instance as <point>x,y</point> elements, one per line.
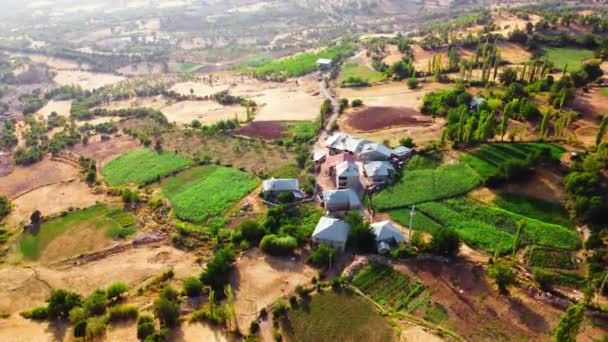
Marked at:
<point>571,57</point>
<point>206,191</point>
<point>423,185</point>
<point>534,208</point>
<point>332,316</point>
<point>143,166</point>
<point>388,287</point>
<point>550,258</point>
<point>114,222</point>
<point>187,67</point>
<point>355,71</point>
<point>420,222</point>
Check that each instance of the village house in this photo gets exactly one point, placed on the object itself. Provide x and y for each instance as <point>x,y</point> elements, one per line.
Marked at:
<point>374,152</point>
<point>340,143</point>
<point>379,172</point>
<point>402,153</point>
<point>338,202</point>
<point>347,176</point>
<point>387,236</point>
<point>332,232</point>
<point>272,188</point>
<point>324,64</point>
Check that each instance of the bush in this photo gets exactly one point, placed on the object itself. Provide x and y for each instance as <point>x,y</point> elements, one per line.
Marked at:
<point>278,245</point>
<point>167,311</point>
<point>116,290</point>
<point>445,242</point>
<point>5,207</point>
<point>122,313</point>
<point>77,314</point>
<point>252,231</point>
<point>96,326</point>
<point>193,287</point>
<point>279,308</point>
<point>254,327</point>
<point>39,314</point>
<point>61,302</point>
<point>80,328</point>
<point>96,303</point>
<point>322,256</point>
<point>412,83</point>
<point>357,103</point>
<point>293,301</point>
<point>145,326</point>
<point>503,275</point>
<point>217,270</point>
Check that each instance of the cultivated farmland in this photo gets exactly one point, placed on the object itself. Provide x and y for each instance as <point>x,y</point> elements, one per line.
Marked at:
<point>417,186</point>
<point>142,166</point>
<point>360,71</point>
<point>206,191</point>
<point>571,57</point>
<point>534,208</point>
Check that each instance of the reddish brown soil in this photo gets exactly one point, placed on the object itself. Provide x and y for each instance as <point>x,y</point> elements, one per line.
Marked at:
<point>104,151</point>
<point>264,130</point>
<point>375,118</point>
<point>6,163</point>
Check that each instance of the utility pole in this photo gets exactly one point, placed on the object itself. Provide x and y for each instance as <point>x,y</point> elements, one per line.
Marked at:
<point>412,213</point>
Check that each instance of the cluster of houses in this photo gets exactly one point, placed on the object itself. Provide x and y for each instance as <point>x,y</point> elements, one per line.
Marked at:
<point>354,166</point>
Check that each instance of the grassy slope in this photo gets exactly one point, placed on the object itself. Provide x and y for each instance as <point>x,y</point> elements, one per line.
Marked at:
<point>205,191</point>
<point>360,71</point>
<point>570,56</point>
<point>336,317</point>
<point>115,222</point>
<point>143,165</point>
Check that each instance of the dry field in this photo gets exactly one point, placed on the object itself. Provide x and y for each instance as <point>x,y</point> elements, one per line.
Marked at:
<point>422,57</point>
<point>207,112</point>
<point>87,80</point>
<point>263,130</point>
<point>377,118</point>
<point>104,151</point>
<point>52,200</point>
<point>394,94</point>
<point>60,107</point>
<point>591,105</point>
<point>200,88</point>
<point>57,63</point>
<point>45,172</point>
<point>140,69</point>
<point>393,55</point>
<point>507,23</point>
<point>259,280</point>
<point>154,102</point>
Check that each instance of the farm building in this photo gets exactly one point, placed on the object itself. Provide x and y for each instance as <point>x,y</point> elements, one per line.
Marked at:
<point>341,201</point>
<point>273,187</point>
<point>379,172</point>
<point>347,176</point>
<point>387,236</point>
<point>374,152</point>
<point>402,153</point>
<point>332,232</point>
<point>324,64</point>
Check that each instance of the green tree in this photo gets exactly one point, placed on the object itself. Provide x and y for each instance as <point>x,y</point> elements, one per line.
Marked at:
<point>166,309</point>
<point>193,287</point>
<point>361,237</point>
<point>598,139</point>
<point>5,207</point>
<point>322,256</point>
<point>61,302</point>
<point>96,303</point>
<point>80,328</point>
<point>445,242</point>
<point>145,326</point>
<point>116,290</point>
<point>503,275</point>
<point>218,269</point>
<point>570,324</point>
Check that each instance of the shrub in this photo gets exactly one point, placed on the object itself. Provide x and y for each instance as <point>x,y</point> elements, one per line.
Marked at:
<point>80,328</point>
<point>278,245</point>
<point>445,242</point>
<point>61,302</point>
<point>254,327</point>
<point>122,313</point>
<point>252,231</point>
<point>357,103</point>
<point>145,326</point>
<point>167,311</point>
<point>322,256</point>
<point>217,270</point>
<point>39,314</point>
<point>116,290</point>
<point>96,303</point>
<point>503,275</point>
<point>5,207</point>
<point>293,301</point>
<point>96,326</point>
<point>193,287</point>
<point>279,308</point>
<point>77,314</point>
<point>412,83</point>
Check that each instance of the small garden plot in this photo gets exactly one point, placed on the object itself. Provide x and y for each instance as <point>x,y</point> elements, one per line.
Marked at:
<point>355,71</point>
<point>534,208</point>
<point>573,57</point>
<point>550,258</point>
<point>488,160</point>
<point>388,287</point>
<point>489,228</point>
<point>332,316</point>
<point>420,222</point>
<point>206,191</point>
<point>419,186</point>
<point>75,233</point>
<point>143,166</point>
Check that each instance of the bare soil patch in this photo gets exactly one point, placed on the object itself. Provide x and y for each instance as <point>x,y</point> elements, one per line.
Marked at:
<point>422,57</point>
<point>26,178</point>
<point>513,53</point>
<point>64,195</point>
<point>87,80</point>
<point>393,55</point>
<point>263,130</point>
<point>155,102</point>
<point>259,279</point>
<point>104,151</point>
<point>395,94</point>
<point>60,107</point>
<point>199,88</point>
<point>207,112</point>
<point>375,118</point>
<point>57,63</point>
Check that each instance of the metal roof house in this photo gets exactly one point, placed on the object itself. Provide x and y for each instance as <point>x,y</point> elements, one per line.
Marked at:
<point>271,188</point>
<point>332,232</point>
<point>374,152</point>
<point>387,236</point>
<point>347,175</point>
<point>402,152</point>
<point>345,143</point>
<point>379,172</point>
<point>324,64</point>
<point>341,200</point>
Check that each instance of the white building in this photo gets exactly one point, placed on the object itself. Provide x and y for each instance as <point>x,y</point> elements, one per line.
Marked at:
<point>387,236</point>
<point>332,232</point>
<point>374,152</point>
<point>273,187</point>
<point>347,176</point>
<point>341,201</point>
<point>379,172</point>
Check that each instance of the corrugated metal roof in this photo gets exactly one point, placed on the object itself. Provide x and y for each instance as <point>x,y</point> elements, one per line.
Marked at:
<point>386,230</point>
<point>281,185</point>
<point>331,229</point>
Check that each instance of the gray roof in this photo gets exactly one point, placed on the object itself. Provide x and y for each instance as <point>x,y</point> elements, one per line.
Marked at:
<point>378,168</point>
<point>402,150</point>
<point>376,148</point>
<point>331,229</point>
<point>323,61</point>
<point>345,142</point>
<point>386,230</point>
<point>281,185</point>
<point>347,169</point>
<point>346,197</point>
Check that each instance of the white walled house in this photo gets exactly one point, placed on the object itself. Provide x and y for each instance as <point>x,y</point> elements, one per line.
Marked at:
<point>374,152</point>
<point>347,176</point>
<point>332,232</point>
<point>271,188</point>
<point>379,172</point>
<point>387,236</point>
<point>341,201</point>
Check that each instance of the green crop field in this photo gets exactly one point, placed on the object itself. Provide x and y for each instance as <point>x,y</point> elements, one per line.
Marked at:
<point>420,222</point>
<point>112,222</point>
<point>388,287</point>
<point>143,166</point>
<point>573,57</point>
<point>534,208</point>
<point>423,185</point>
<point>187,67</point>
<point>360,71</point>
<point>332,316</point>
<point>604,91</point>
<point>201,192</point>
<point>488,160</point>
<point>303,63</point>
<point>550,258</point>
<point>489,228</point>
